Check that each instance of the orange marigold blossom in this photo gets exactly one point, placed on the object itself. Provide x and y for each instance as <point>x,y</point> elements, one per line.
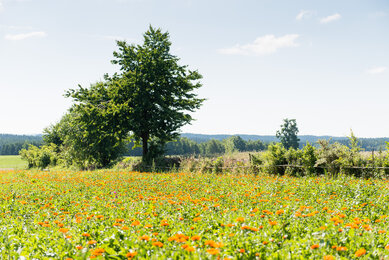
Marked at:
<point>341,248</point>
<point>63,230</point>
<point>360,252</point>
<point>213,251</point>
<point>190,249</point>
<point>145,237</point>
<point>158,244</point>
<point>196,238</point>
<point>92,242</point>
<point>131,254</point>
<point>135,223</point>
<point>314,246</point>
<point>328,257</point>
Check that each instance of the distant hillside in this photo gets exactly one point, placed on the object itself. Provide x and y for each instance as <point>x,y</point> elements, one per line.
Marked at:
<point>264,138</point>
<point>368,144</point>
<point>11,144</point>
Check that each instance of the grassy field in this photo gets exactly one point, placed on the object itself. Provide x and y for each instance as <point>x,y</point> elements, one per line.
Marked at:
<point>12,161</point>
<point>125,215</point>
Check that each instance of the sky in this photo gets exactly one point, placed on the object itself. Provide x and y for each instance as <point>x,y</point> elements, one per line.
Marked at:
<point>323,63</point>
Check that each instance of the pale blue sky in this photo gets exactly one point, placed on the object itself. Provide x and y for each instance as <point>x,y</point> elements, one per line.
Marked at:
<point>324,63</point>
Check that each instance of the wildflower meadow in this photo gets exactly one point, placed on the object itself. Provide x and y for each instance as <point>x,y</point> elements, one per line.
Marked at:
<point>131,215</point>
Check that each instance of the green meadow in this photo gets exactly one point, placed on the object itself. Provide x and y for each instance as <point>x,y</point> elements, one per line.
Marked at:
<point>12,161</point>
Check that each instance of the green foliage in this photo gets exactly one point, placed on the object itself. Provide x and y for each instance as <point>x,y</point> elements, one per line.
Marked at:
<point>273,158</point>
<point>153,93</point>
<point>235,144</point>
<point>288,134</point>
<point>309,158</point>
<point>40,157</point>
<point>217,165</point>
<point>212,147</point>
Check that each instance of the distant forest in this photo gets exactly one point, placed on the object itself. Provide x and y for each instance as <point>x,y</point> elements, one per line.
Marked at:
<point>200,144</point>
<point>12,144</point>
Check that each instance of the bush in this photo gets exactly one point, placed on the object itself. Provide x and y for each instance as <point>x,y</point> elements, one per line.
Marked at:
<point>40,157</point>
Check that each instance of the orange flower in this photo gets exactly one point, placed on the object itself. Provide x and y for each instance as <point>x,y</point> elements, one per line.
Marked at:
<point>196,238</point>
<point>92,242</point>
<point>190,249</point>
<point>240,219</point>
<point>131,254</point>
<point>328,257</point>
<point>280,211</point>
<point>213,251</point>
<point>135,223</point>
<point>63,230</point>
<point>242,250</point>
<point>314,246</point>
<point>341,248</point>
<point>85,235</point>
<point>97,251</point>
<point>79,247</point>
<point>360,252</point>
<point>145,237</point>
<point>158,244</point>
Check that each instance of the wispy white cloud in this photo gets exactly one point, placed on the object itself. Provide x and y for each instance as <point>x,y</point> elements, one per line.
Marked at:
<point>330,18</point>
<point>303,14</point>
<point>264,45</point>
<point>23,36</point>
<point>377,70</point>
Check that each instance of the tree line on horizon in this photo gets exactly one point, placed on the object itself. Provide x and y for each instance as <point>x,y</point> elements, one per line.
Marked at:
<point>197,144</point>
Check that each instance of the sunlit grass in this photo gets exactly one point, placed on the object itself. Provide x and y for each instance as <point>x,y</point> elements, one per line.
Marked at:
<point>12,161</point>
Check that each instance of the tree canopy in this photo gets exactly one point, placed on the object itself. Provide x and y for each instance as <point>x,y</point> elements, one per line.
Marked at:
<point>148,100</point>
<point>288,134</point>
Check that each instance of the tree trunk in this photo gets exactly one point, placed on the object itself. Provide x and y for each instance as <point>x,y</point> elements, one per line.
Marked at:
<point>145,148</point>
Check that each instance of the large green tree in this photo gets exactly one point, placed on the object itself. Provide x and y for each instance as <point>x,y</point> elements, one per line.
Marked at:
<point>288,134</point>
<point>153,92</point>
<point>150,98</point>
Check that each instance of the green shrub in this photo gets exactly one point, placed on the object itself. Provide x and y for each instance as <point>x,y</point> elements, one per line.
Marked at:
<point>273,158</point>
<point>40,157</point>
